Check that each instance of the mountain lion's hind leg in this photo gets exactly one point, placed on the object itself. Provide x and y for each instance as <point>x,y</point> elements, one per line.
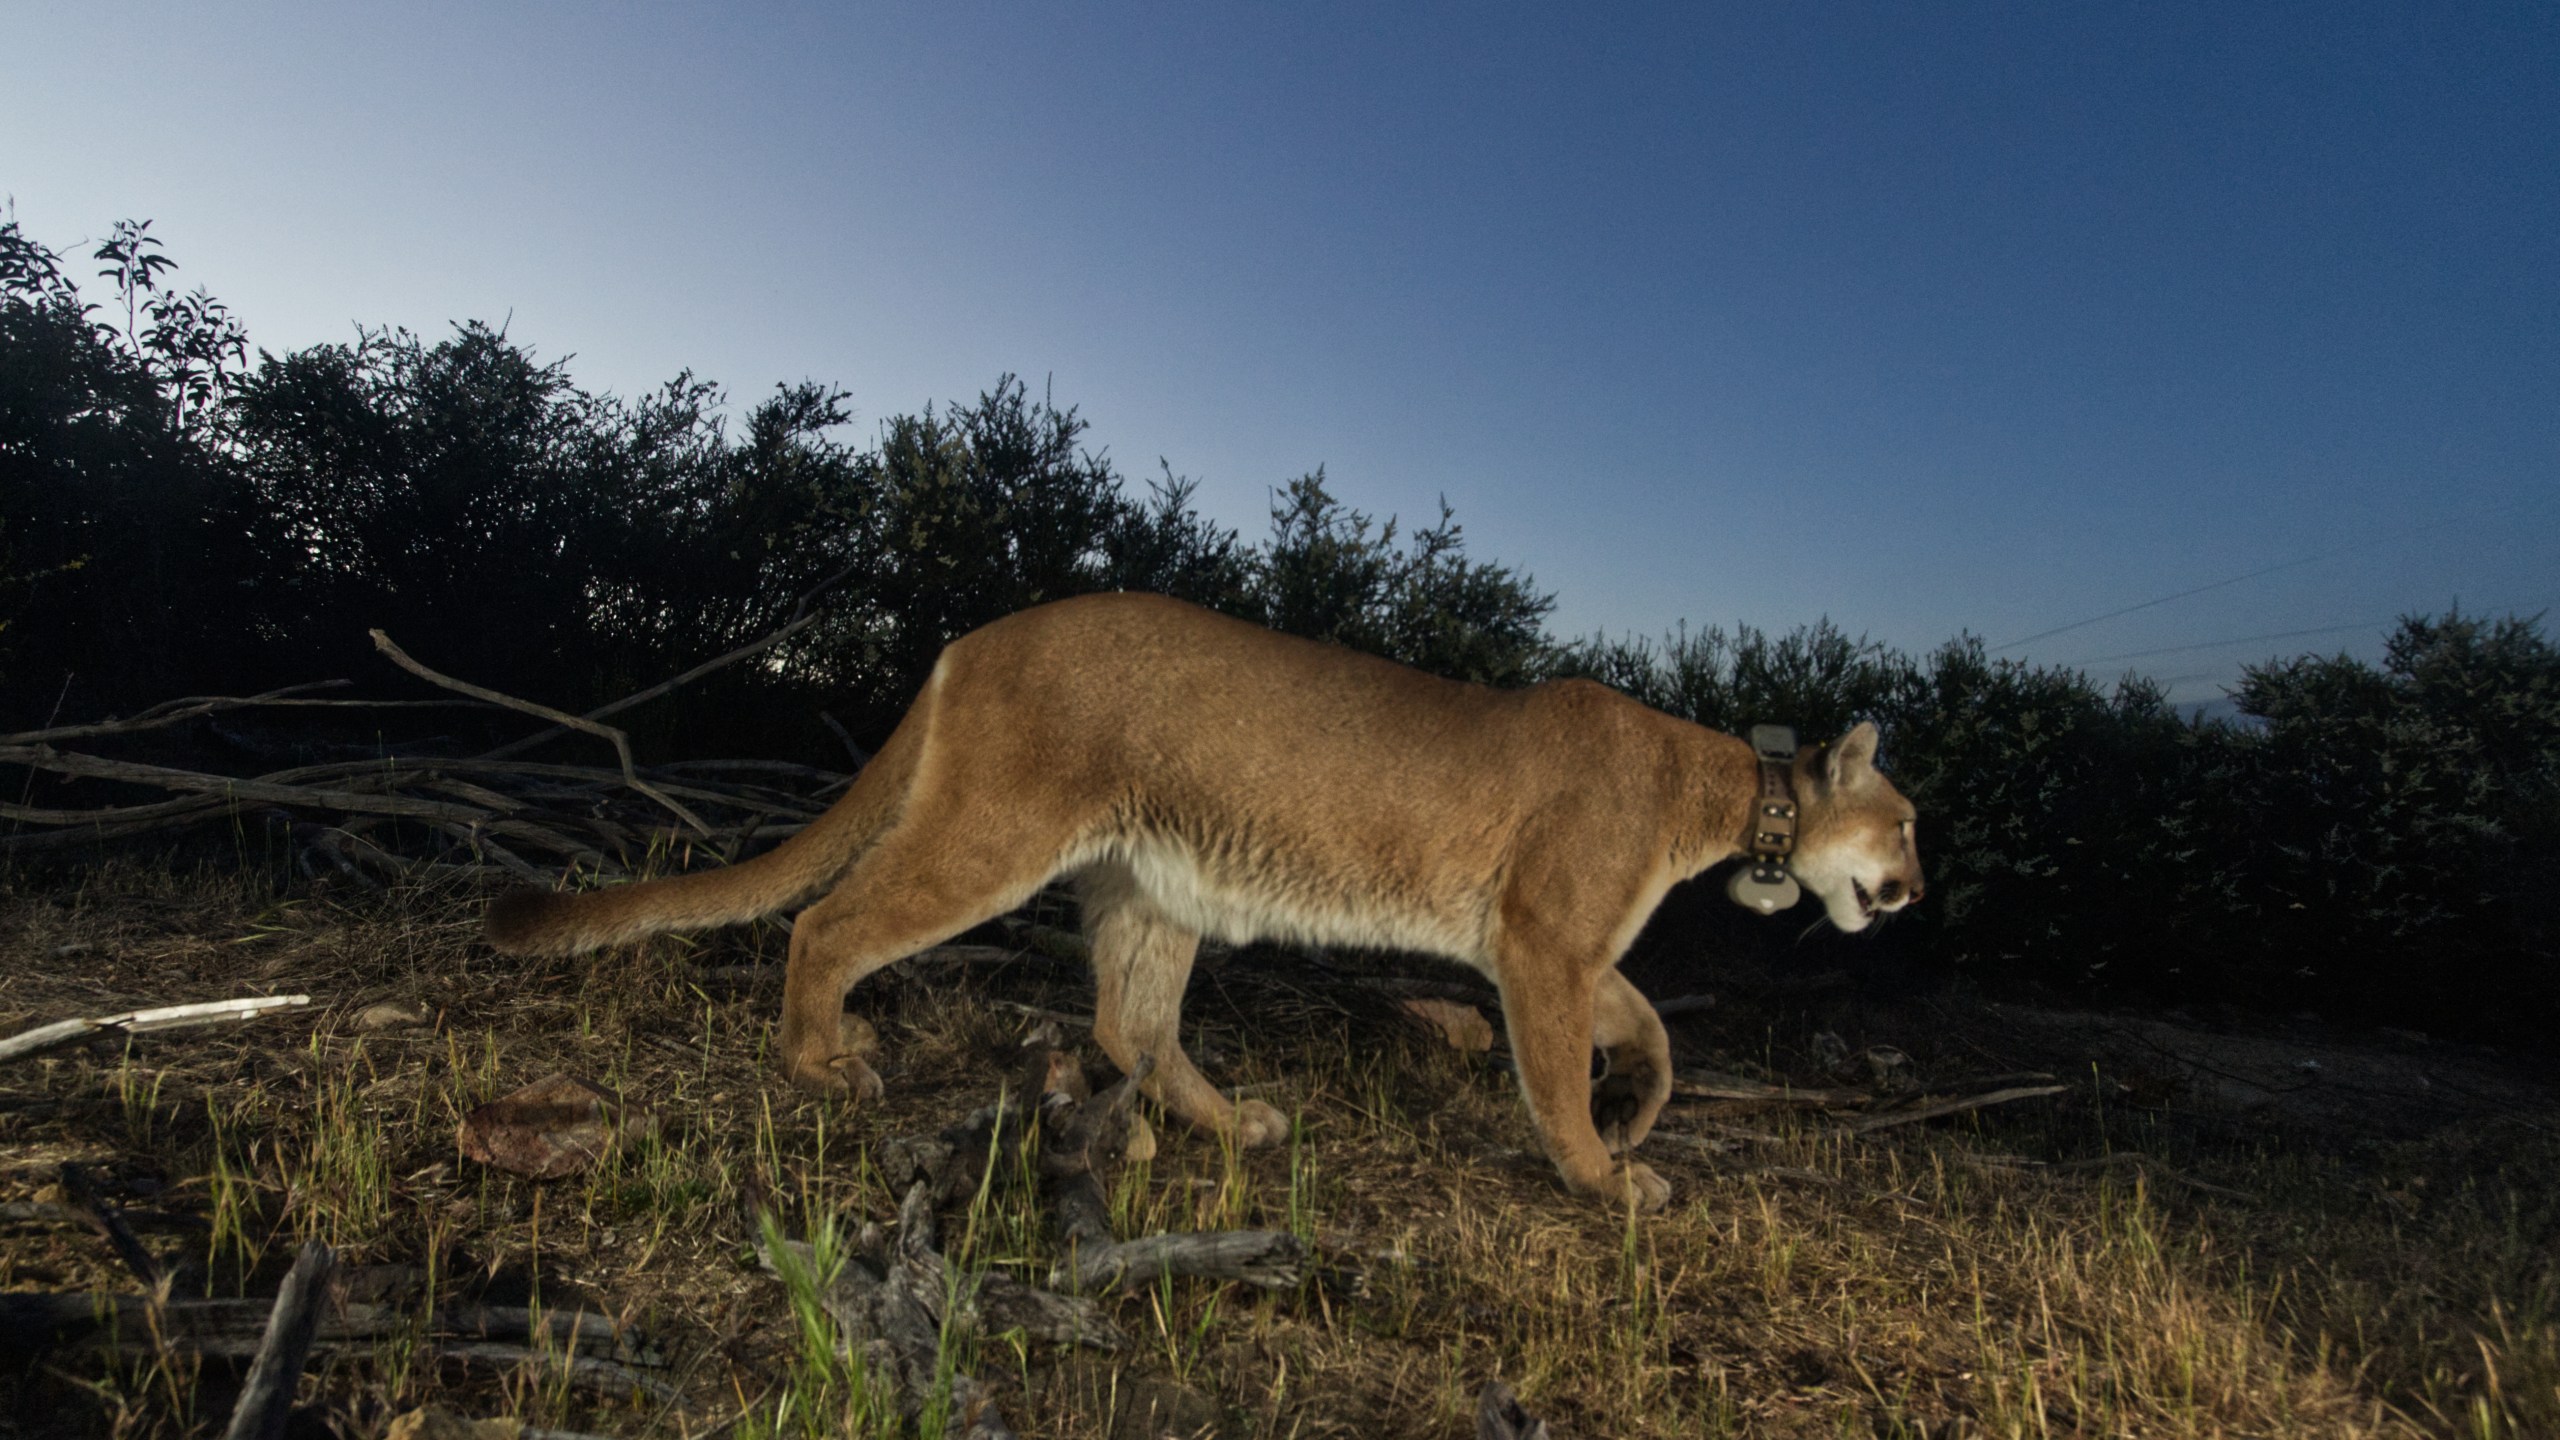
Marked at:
<point>1625,1100</point>
<point>1141,962</point>
<point>904,895</point>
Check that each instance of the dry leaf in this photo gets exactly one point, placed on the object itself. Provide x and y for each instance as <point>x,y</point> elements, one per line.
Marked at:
<point>553,1127</point>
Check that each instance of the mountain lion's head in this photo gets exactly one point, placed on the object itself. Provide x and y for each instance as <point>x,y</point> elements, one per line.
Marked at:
<point>1854,846</point>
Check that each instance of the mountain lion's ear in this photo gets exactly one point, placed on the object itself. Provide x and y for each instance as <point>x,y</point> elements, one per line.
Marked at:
<point>1852,757</point>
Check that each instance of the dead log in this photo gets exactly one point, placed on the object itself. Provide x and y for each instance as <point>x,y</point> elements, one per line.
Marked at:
<point>890,1303</point>
<point>1268,1259</point>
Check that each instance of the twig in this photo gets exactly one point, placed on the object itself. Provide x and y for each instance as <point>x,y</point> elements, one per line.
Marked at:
<point>801,618</point>
<point>1683,1141</point>
<point>132,1022</point>
<point>266,1397</point>
<point>1711,1085</point>
<point>1869,1124</point>
<point>2133,1158</point>
<point>861,757</point>
<point>1802,1176</point>
<point>621,743</point>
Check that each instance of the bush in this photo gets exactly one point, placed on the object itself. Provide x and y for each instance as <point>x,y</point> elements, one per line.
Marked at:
<point>2364,840</point>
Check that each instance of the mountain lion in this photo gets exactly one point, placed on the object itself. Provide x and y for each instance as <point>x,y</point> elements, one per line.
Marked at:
<point>1196,775</point>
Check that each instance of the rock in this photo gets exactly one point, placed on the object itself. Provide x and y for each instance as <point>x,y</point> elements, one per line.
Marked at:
<point>390,1015</point>
<point>556,1126</point>
<point>1463,1026</point>
<point>1831,1052</point>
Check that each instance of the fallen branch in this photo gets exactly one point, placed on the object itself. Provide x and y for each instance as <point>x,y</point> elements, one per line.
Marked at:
<point>621,743</point>
<point>1069,1135</point>
<point>108,1222</point>
<point>1268,1259</point>
<point>2132,1159</point>
<point>266,1397</point>
<point>1799,1175</point>
<point>891,1303</point>
<point>1869,1124</point>
<point>45,757</point>
<point>604,1376</point>
<point>167,712</point>
<point>1499,1416</point>
<point>1713,1085</point>
<point>552,818</point>
<point>133,1022</point>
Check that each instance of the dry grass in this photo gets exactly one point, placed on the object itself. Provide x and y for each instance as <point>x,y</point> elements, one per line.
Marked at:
<point>1811,1284</point>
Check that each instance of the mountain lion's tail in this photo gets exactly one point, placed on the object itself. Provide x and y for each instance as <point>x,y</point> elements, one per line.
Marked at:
<point>545,922</point>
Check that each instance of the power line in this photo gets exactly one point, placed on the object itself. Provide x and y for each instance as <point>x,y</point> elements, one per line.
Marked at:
<point>2374,625</point>
<point>2165,599</point>
<point>2234,580</point>
<point>2217,644</point>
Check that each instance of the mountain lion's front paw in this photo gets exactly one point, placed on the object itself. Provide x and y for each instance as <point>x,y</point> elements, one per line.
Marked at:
<point>1650,1191</point>
<point>1258,1124</point>
<point>844,1075</point>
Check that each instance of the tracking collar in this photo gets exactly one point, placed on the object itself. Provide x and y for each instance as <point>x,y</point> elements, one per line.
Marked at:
<point>1763,884</point>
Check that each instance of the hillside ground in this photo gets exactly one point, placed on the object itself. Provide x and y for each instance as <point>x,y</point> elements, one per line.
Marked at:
<point>2213,1231</point>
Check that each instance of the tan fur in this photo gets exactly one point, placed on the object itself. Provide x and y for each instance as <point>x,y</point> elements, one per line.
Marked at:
<point>1199,776</point>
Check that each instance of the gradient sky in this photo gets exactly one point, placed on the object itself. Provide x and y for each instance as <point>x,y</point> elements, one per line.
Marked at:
<point>1927,318</point>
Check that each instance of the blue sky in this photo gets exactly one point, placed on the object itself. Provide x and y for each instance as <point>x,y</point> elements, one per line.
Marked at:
<point>1927,318</point>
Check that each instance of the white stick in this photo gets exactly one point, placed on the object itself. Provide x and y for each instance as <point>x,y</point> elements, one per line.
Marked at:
<point>165,1017</point>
